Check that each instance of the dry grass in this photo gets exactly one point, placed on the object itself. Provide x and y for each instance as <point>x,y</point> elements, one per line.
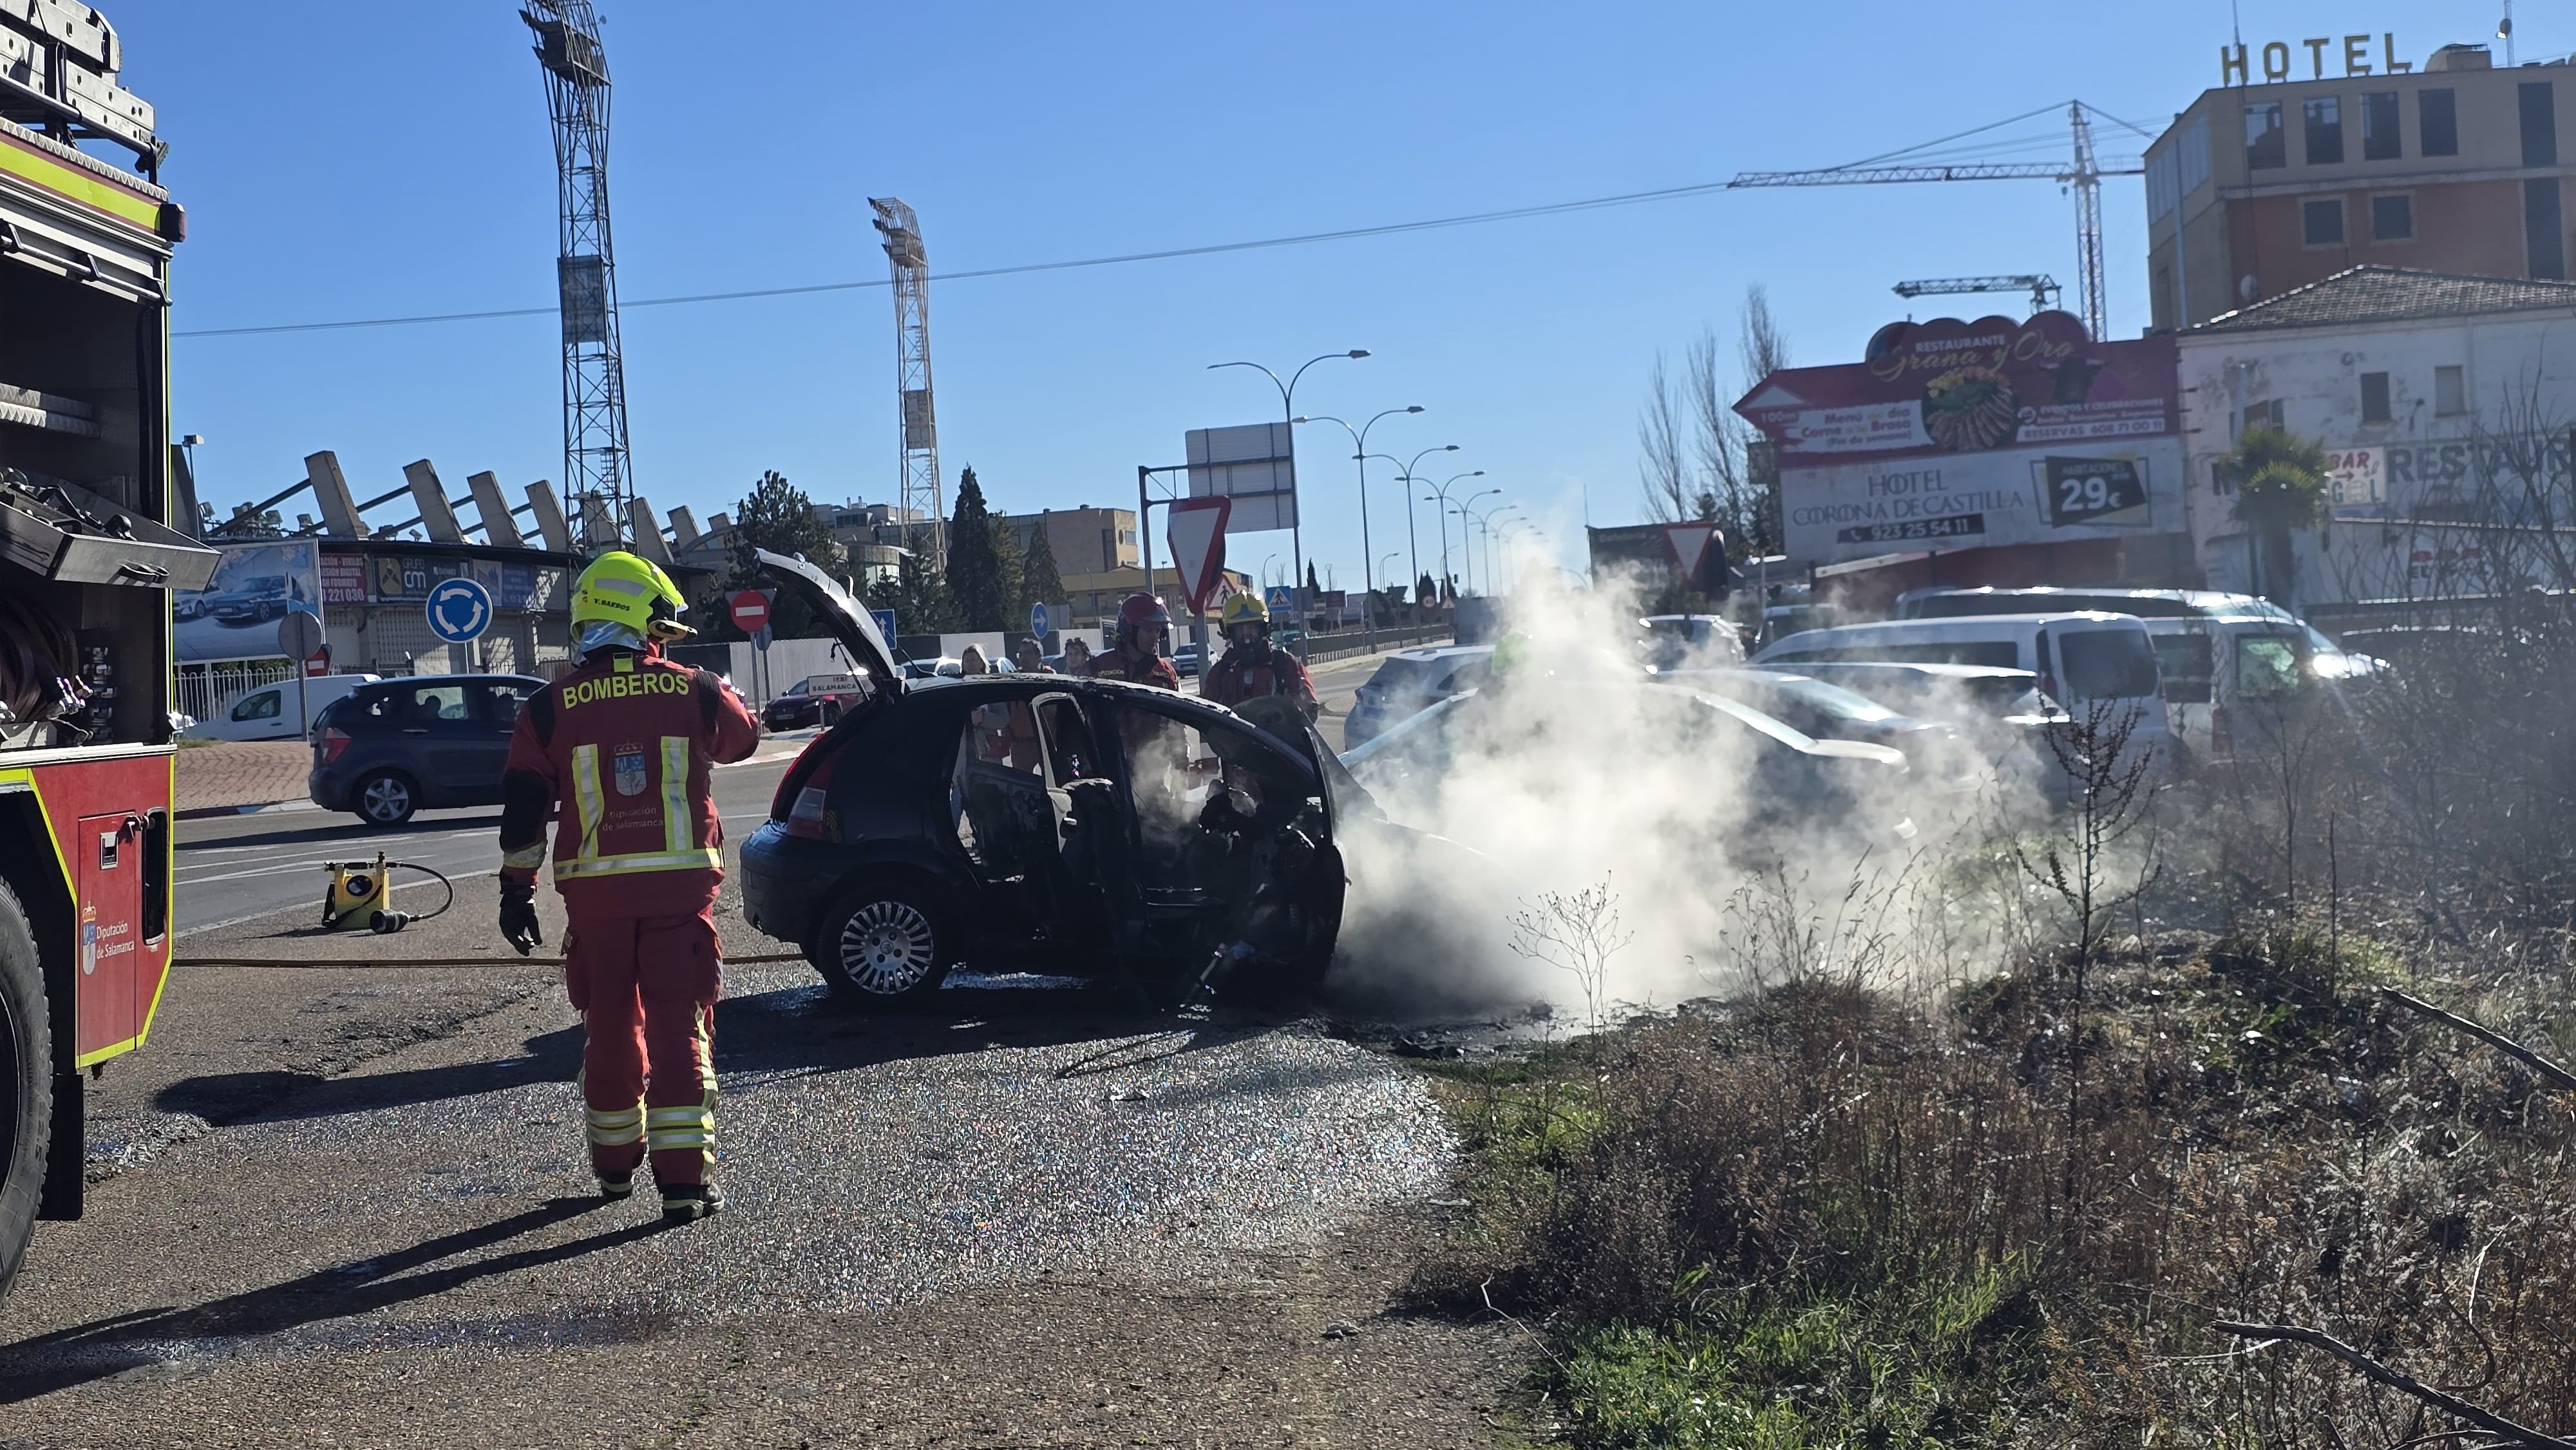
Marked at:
<point>1829,1220</point>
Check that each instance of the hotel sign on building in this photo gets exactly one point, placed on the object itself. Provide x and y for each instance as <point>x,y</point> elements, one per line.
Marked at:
<point>1956,435</point>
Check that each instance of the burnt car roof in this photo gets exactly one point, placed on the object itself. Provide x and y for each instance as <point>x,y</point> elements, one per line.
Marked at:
<point>1023,683</point>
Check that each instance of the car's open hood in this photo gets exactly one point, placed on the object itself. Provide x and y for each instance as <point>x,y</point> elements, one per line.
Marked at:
<point>850,621</point>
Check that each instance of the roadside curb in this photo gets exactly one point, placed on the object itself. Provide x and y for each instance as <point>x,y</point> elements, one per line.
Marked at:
<point>199,813</point>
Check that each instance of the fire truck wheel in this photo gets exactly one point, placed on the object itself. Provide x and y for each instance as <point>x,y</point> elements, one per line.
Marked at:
<point>26,1084</point>
<point>386,798</point>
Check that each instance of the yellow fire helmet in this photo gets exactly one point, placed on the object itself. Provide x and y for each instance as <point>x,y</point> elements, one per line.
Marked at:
<point>1243,607</point>
<point>626,589</point>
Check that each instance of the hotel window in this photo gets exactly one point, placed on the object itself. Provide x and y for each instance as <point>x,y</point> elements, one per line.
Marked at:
<point>2392,218</point>
<point>2265,415</point>
<point>2374,398</point>
<point>2266,144</point>
<point>2325,130</point>
<point>2450,390</point>
<point>2539,123</point>
<point>2321,222</point>
<point>2437,123</point>
<point>2546,243</point>
<point>2379,140</point>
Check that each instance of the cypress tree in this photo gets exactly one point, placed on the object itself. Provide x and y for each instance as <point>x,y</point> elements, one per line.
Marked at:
<point>777,516</point>
<point>1039,578</point>
<point>975,583</point>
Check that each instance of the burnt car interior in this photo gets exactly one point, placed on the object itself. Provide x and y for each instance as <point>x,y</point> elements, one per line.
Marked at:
<point>1200,827</point>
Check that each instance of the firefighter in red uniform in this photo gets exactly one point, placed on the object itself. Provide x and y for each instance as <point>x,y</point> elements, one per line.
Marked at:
<point>624,743</point>
<point>1144,627</point>
<point>1252,668</point>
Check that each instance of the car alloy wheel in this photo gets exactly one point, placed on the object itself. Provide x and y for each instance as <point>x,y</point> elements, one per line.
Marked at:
<point>888,947</point>
<point>386,800</point>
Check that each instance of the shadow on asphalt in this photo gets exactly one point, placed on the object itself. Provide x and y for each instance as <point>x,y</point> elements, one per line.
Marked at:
<point>793,1032</point>
<point>113,1346</point>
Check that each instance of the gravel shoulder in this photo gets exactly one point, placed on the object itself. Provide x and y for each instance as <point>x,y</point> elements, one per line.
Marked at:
<point>348,1207</point>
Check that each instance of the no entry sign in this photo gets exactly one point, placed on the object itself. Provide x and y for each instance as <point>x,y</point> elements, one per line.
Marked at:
<point>750,610</point>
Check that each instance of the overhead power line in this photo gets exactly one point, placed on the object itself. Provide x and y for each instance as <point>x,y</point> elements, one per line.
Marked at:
<point>1939,149</point>
<point>1559,208</point>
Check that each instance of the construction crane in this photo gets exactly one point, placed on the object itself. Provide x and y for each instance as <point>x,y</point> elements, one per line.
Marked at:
<point>2041,287</point>
<point>2084,172</point>
<point>596,472</point>
<point>926,531</point>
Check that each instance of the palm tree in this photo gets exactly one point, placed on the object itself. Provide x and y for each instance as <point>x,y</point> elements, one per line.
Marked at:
<point>2280,489</point>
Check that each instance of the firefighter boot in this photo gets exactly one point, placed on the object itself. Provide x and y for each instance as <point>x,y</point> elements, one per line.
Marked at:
<point>689,1202</point>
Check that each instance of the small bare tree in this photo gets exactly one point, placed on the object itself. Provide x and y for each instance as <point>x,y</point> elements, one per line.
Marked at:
<point>2097,859</point>
<point>1577,933</point>
<point>1663,451</point>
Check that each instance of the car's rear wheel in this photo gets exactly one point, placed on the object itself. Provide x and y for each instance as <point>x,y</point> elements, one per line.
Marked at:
<point>885,942</point>
<point>386,798</point>
<point>26,1085</point>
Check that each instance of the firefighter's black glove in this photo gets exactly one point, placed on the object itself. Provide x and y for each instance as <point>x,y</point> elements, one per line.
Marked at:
<point>519,917</point>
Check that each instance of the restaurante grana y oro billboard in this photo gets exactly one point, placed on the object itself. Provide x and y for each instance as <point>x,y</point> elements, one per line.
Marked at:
<point>1957,435</point>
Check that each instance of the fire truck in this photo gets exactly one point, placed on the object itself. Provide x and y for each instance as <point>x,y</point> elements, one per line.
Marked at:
<point>90,552</point>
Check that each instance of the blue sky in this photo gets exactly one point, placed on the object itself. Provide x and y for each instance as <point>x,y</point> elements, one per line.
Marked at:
<point>393,158</point>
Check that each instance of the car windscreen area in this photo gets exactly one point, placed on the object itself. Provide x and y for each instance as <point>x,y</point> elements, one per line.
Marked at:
<point>1400,676</point>
<point>2268,666</point>
<point>2107,664</point>
<point>2185,662</point>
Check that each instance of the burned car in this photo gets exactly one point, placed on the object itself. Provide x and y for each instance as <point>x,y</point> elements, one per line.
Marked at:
<point>1040,822</point>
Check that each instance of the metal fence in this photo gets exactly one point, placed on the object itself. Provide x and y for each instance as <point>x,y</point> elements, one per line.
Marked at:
<point>206,692</point>
<point>1344,644</point>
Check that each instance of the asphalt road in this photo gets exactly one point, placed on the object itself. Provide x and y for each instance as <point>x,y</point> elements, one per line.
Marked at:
<point>234,869</point>
<point>346,1202</point>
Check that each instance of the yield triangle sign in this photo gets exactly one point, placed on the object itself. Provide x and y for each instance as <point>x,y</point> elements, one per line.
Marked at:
<point>1198,545</point>
<point>1689,543</point>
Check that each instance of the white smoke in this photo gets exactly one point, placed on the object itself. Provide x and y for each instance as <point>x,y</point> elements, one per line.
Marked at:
<point>1570,771</point>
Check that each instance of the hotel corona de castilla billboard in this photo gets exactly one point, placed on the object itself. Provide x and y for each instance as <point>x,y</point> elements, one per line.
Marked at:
<point>1961,435</point>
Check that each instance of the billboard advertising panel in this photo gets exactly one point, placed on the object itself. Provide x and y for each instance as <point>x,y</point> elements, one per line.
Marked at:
<point>1953,435</point>
<point>1253,465</point>
<point>408,578</point>
<point>235,617</point>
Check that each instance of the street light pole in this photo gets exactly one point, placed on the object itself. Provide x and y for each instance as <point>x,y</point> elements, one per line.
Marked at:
<point>1297,514</point>
<point>1465,547</point>
<point>1443,497</point>
<point>1412,541</point>
<point>1499,514</point>
<point>1512,531</point>
<point>1360,455</point>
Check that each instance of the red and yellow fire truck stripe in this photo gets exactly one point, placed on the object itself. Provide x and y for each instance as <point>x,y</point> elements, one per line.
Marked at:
<point>66,791</point>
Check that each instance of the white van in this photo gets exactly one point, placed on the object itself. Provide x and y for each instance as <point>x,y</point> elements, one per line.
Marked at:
<point>269,713</point>
<point>2081,658</point>
<point>2227,680</point>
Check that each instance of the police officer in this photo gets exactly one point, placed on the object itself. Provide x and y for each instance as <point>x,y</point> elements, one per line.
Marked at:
<point>1254,669</point>
<point>1144,628</point>
<point>624,743</point>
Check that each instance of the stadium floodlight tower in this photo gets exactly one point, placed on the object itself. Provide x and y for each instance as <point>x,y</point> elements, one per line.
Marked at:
<point>927,532</point>
<point>596,472</point>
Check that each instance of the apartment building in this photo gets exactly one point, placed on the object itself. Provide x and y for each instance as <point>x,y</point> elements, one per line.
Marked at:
<point>2314,160</point>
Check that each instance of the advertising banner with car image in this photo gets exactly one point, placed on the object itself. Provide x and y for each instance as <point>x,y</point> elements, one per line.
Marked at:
<point>254,588</point>
<point>1956,435</point>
